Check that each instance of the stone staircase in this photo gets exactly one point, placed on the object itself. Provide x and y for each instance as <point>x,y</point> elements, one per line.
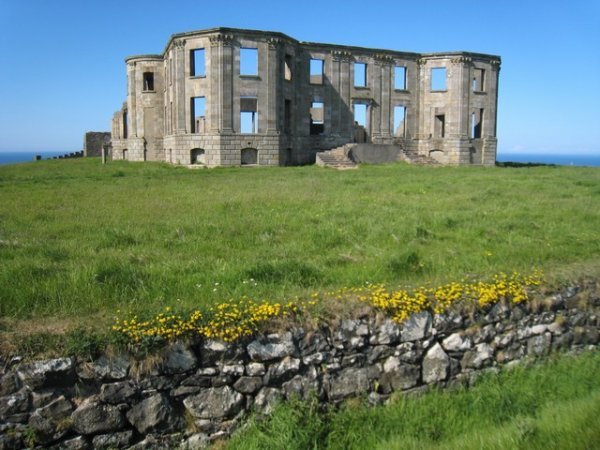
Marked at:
<point>422,160</point>
<point>336,158</point>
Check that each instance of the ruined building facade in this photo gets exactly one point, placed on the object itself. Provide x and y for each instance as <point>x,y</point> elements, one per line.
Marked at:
<point>228,97</point>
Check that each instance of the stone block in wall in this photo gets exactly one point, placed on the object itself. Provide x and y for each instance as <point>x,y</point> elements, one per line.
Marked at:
<point>416,327</point>
<point>153,414</point>
<point>52,421</point>
<point>482,355</point>
<point>9,383</point>
<point>15,403</point>
<point>456,342</point>
<point>215,403</point>
<point>348,382</point>
<point>539,345</point>
<point>266,399</point>
<point>388,333</point>
<point>118,392</point>
<point>105,369</point>
<point>273,346</point>
<point>400,377</point>
<point>248,385</point>
<point>436,365</point>
<point>49,373</point>
<point>92,418</point>
<point>179,358</point>
<point>120,439</point>
<point>281,371</point>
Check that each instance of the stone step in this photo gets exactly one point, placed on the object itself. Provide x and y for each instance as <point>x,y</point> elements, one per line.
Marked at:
<point>335,158</point>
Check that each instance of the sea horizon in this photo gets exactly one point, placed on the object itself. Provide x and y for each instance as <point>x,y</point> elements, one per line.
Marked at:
<point>584,160</point>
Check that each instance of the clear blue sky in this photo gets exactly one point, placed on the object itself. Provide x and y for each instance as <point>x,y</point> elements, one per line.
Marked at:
<point>62,71</point>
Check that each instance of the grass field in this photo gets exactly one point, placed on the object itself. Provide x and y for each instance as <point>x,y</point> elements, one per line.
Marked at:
<point>555,405</point>
<point>79,241</point>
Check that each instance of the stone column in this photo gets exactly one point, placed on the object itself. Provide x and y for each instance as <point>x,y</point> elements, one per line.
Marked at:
<point>131,101</point>
<point>222,72</point>
<point>336,104</point>
<point>461,98</point>
<point>382,97</point>
<point>179,75</point>
<point>272,85</point>
<point>346,115</point>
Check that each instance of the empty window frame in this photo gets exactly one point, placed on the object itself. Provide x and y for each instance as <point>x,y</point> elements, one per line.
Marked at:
<point>249,61</point>
<point>399,121</point>
<point>476,123</point>
<point>400,78</point>
<point>197,62</point>
<point>478,80</point>
<point>198,114</point>
<point>360,114</point>
<point>317,118</point>
<point>360,74</point>
<point>316,71</point>
<point>148,81</point>
<point>438,79</point>
<point>439,126</point>
<point>287,67</point>
<point>248,115</point>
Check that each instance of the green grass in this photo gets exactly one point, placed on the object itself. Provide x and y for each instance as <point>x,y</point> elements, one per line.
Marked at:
<point>78,239</point>
<point>552,405</point>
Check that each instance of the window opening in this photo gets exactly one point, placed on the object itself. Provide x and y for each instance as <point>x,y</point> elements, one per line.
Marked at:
<point>317,118</point>
<point>197,62</point>
<point>248,115</point>
<point>198,114</point>
<point>360,74</point>
<point>360,114</point>
<point>438,79</point>
<point>400,78</point>
<point>399,121</point>
<point>287,67</point>
<point>439,127</point>
<point>287,116</point>
<point>316,71</point>
<point>476,123</point>
<point>125,154</point>
<point>249,61</point>
<point>148,81</point>
<point>477,81</point>
<point>249,156</point>
<point>197,156</point>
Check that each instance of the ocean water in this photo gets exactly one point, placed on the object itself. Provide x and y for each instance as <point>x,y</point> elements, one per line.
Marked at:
<point>541,158</point>
<point>20,157</point>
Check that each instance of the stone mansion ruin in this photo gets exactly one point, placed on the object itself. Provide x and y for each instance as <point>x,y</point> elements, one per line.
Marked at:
<point>228,97</point>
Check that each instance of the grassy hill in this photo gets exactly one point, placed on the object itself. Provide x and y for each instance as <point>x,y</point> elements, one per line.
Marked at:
<point>79,240</point>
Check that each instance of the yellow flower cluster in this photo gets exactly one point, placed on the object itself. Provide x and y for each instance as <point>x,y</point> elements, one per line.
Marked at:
<point>231,321</point>
<point>227,321</point>
<point>400,304</point>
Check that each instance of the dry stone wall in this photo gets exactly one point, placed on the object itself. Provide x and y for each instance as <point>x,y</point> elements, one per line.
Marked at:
<point>190,394</point>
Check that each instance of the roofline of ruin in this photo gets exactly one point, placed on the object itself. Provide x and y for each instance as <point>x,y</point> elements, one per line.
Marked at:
<point>395,53</point>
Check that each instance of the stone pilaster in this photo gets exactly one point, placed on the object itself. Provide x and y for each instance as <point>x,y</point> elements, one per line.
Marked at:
<point>180,100</point>
<point>272,85</point>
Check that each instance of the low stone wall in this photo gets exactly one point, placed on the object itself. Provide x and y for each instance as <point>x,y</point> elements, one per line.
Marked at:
<point>190,394</point>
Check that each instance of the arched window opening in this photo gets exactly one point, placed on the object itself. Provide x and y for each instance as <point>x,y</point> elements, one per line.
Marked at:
<point>197,156</point>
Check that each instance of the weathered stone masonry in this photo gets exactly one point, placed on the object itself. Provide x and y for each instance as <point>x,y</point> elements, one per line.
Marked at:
<point>224,96</point>
<point>196,393</point>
